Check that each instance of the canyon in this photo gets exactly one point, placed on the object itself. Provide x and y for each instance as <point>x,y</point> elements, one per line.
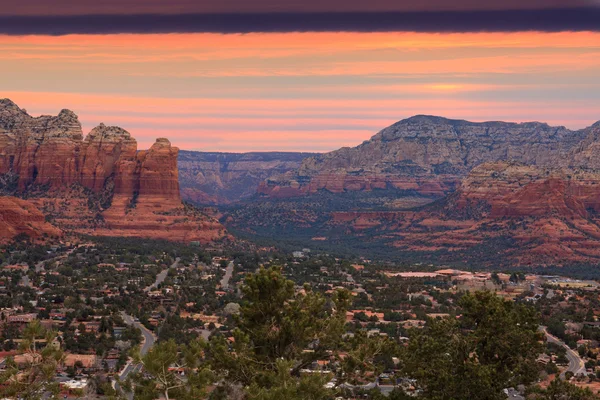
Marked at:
<point>424,189</point>
<point>97,185</point>
<point>502,212</point>
<point>430,188</point>
<point>226,178</point>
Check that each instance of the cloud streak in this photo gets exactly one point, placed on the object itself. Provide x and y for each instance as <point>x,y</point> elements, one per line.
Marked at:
<point>91,7</point>
<point>543,20</point>
<point>300,91</point>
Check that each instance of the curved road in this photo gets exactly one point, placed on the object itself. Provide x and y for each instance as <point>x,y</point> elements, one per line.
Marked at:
<point>149,340</point>
<point>576,364</point>
<point>39,267</point>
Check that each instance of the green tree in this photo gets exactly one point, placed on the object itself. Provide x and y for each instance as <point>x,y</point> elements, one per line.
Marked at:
<point>279,332</point>
<point>496,278</point>
<point>172,371</point>
<point>561,390</point>
<point>34,379</point>
<point>493,346</point>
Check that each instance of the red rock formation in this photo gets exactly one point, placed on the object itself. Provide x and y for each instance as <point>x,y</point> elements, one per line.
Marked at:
<point>551,215</point>
<point>19,216</point>
<point>342,182</point>
<point>158,174</point>
<point>101,185</point>
<point>431,155</point>
<point>107,152</point>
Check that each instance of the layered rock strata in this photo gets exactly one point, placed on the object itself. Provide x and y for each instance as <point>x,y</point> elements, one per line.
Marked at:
<point>99,185</point>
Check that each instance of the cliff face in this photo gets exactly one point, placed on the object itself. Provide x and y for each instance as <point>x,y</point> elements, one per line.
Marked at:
<point>98,185</point>
<point>225,178</point>
<point>431,155</point>
<point>19,216</point>
<point>498,193</point>
<point>504,213</point>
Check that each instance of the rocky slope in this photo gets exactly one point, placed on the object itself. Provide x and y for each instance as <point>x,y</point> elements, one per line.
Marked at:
<point>19,216</point>
<point>225,178</point>
<point>498,193</point>
<point>502,212</point>
<point>98,185</point>
<point>431,155</point>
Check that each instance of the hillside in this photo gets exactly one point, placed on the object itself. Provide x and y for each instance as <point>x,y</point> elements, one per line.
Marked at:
<point>430,188</point>
<point>431,155</point>
<point>225,178</point>
<point>100,184</point>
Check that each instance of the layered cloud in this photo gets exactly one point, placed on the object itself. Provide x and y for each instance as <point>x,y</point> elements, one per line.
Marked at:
<point>544,20</point>
<point>115,7</point>
<point>301,91</point>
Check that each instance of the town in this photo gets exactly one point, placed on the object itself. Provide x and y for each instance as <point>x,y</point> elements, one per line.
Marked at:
<point>107,300</point>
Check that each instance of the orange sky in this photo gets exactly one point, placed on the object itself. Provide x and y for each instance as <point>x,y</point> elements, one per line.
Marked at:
<point>301,91</point>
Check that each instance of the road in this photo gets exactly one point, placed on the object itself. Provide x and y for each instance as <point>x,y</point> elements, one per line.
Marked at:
<point>576,364</point>
<point>227,277</point>
<point>160,278</point>
<point>39,267</point>
<point>149,340</point>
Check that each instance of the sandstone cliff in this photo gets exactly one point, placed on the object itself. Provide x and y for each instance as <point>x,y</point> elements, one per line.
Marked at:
<point>431,155</point>
<point>19,216</point>
<point>505,212</point>
<point>499,193</point>
<point>98,185</point>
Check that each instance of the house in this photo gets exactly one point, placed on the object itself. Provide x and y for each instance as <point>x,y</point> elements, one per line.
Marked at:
<point>26,359</point>
<point>21,318</point>
<point>413,323</point>
<point>58,315</point>
<point>16,267</point>
<point>544,359</point>
<point>87,361</point>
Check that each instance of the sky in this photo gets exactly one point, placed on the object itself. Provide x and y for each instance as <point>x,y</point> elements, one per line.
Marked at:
<point>266,75</point>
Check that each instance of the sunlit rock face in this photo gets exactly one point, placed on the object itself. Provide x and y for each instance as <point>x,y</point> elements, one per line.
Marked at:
<point>19,216</point>
<point>431,155</point>
<point>99,184</point>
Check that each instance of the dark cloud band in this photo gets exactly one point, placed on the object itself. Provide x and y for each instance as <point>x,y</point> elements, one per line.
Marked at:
<point>550,20</point>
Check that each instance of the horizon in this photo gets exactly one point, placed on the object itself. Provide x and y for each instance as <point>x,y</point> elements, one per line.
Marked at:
<point>87,130</point>
<point>311,77</point>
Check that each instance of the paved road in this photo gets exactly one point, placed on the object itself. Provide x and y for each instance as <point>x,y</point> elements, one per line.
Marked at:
<point>576,364</point>
<point>160,278</point>
<point>39,267</point>
<point>149,340</point>
<point>227,277</point>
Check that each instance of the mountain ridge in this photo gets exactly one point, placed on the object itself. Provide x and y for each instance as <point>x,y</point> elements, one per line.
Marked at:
<point>433,151</point>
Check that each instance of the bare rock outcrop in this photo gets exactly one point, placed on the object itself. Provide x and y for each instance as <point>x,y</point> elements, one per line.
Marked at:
<point>432,154</point>
<point>19,216</point>
<point>97,185</point>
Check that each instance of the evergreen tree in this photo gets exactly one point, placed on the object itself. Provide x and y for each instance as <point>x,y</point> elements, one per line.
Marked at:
<point>34,379</point>
<point>172,372</point>
<point>493,346</point>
